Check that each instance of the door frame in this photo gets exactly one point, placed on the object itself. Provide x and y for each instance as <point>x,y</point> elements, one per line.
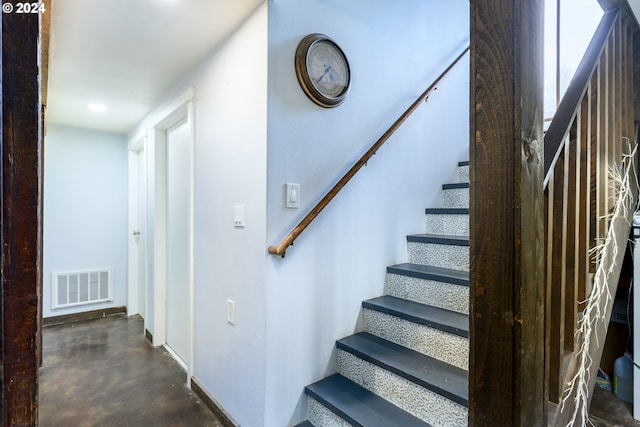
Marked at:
<point>179,110</point>
<point>134,264</point>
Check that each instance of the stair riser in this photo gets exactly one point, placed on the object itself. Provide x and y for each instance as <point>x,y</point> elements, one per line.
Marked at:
<point>463,173</point>
<point>422,403</point>
<point>445,256</point>
<point>438,294</point>
<point>455,198</point>
<point>440,345</point>
<point>321,416</point>
<point>453,225</point>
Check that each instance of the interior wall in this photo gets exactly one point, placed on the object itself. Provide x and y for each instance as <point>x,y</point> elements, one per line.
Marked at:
<point>289,312</point>
<point>85,209</point>
<point>395,50</point>
<point>230,102</point>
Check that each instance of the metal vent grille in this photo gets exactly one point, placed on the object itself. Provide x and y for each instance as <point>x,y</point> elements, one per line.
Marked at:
<point>81,287</point>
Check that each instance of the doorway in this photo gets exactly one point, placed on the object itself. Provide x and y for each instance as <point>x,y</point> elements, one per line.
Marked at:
<point>177,312</point>
<point>137,239</point>
<point>172,157</point>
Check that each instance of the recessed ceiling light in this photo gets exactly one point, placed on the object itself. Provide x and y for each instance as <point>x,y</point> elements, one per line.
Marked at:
<point>97,107</point>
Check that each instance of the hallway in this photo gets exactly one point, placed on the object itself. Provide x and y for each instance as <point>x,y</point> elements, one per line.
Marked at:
<point>105,373</point>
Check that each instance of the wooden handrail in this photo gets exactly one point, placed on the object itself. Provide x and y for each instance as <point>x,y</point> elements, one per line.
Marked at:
<point>562,120</point>
<point>302,225</point>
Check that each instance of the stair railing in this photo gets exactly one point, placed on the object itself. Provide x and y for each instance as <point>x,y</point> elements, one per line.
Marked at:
<point>589,138</point>
<point>281,248</point>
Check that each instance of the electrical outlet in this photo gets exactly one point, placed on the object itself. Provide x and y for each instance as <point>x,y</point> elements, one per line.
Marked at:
<point>238,216</point>
<point>231,311</point>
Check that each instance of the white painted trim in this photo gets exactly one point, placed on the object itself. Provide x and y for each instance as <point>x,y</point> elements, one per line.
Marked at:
<point>179,110</point>
<point>147,208</point>
<point>132,216</point>
<point>192,145</point>
<point>134,146</point>
<point>160,236</point>
<point>136,143</point>
<point>177,358</point>
<point>176,111</point>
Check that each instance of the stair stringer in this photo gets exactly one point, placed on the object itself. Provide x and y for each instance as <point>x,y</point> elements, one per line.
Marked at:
<point>436,347</point>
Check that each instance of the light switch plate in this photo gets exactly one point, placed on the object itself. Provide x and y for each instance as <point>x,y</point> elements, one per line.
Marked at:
<point>238,216</point>
<point>231,311</point>
<point>292,196</point>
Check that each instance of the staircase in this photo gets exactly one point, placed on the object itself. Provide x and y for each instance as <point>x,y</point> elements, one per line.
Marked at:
<point>409,367</point>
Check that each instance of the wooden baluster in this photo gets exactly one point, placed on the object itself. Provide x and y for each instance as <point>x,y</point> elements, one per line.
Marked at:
<point>550,369</point>
<point>594,146</point>
<point>614,97</point>
<point>556,276</point>
<point>572,178</point>
<point>619,94</point>
<point>627,57</point>
<point>627,79</point>
<point>602,158</point>
<point>584,144</point>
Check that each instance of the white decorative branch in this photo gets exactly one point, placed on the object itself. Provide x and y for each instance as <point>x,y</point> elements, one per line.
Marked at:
<point>604,255</point>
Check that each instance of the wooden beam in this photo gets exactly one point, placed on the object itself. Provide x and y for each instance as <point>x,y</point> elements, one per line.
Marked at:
<point>45,48</point>
<point>45,44</point>
<point>507,241</point>
<point>20,207</point>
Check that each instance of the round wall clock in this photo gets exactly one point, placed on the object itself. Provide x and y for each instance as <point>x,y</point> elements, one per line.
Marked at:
<point>322,70</point>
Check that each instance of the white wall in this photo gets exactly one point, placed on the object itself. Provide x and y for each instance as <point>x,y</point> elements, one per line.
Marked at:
<point>395,50</point>
<point>85,208</point>
<point>230,101</point>
<point>252,135</point>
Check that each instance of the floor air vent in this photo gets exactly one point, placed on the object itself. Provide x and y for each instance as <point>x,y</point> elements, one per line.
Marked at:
<point>81,287</point>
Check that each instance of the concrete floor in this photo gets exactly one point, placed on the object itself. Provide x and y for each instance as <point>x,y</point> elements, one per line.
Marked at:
<point>608,411</point>
<point>104,372</point>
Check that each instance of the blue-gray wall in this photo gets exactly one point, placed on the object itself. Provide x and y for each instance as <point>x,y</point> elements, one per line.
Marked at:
<point>85,209</point>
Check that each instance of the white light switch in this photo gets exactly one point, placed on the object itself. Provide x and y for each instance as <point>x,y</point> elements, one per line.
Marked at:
<point>292,196</point>
<point>238,216</point>
<point>231,311</point>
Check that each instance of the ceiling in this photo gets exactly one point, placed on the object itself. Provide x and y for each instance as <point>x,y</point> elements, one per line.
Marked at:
<point>126,54</point>
<point>635,7</point>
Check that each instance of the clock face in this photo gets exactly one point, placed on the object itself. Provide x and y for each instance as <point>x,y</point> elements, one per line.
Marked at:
<point>327,69</point>
<point>322,70</point>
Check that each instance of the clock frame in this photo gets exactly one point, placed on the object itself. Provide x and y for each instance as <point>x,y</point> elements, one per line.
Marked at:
<point>316,50</point>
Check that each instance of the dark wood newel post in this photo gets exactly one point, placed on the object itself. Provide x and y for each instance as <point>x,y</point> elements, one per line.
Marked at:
<point>20,206</point>
<point>506,375</point>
